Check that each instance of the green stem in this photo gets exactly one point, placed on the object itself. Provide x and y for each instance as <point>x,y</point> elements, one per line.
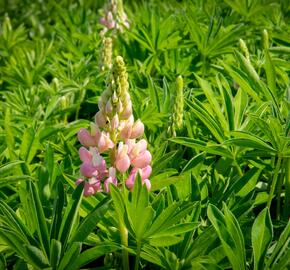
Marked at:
<point>124,241</point>
<point>279,191</point>
<point>238,168</point>
<point>137,255</point>
<point>287,189</point>
<point>274,182</point>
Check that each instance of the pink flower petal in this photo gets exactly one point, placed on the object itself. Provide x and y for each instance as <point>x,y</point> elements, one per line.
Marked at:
<point>85,155</point>
<point>123,164</point>
<point>142,160</point>
<point>85,138</point>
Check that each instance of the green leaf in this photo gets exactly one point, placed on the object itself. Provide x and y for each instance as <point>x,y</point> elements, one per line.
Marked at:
<point>37,256</point>
<point>214,149</point>
<point>164,241</point>
<point>245,184</point>
<point>281,250</point>
<point>70,256</point>
<point>212,99</point>
<point>178,229</point>
<point>70,215</point>
<point>206,117</point>
<point>91,220</point>
<point>229,232</point>
<point>29,145</point>
<point>55,253</point>
<point>270,72</point>
<point>248,140</point>
<point>57,211</point>
<point>8,167</point>
<point>39,219</point>
<point>262,233</point>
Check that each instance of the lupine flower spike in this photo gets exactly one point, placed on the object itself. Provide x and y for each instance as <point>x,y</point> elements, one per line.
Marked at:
<point>114,16</point>
<point>177,115</point>
<point>116,133</point>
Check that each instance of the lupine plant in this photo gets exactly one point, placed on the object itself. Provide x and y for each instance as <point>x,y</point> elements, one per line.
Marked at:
<point>144,134</point>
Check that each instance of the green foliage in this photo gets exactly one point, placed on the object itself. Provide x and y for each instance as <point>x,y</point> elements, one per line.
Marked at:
<point>220,196</point>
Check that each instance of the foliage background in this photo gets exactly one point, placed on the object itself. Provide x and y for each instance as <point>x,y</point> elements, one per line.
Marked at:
<point>222,184</point>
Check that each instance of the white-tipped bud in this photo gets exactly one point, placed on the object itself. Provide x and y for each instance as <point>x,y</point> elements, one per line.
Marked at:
<point>119,107</point>
<point>100,119</point>
<point>109,107</point>
<point>114,98</point>
<point>127,112</point>
<point>115,122</point>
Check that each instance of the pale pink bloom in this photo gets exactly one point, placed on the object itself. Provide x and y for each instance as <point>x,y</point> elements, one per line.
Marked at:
<point>131,179</point>
<point>142,160</point>
<point>88,190</point>
<point>100,119</point>
<point>137,129</point>
<point>144,173</point>
<point>85,138</point>
<point>122,158</point>
<point>147,183</point>
<point>80,180</point>
<point>139,156</point>
<point>126,131</point>
<point>105,142</point>
<point>131,130</point>
<point>85,155</point>
<point>127,112</point>
<point>91,187</point>
<point>130,144</point>
<point>111,179</point>
<point>93,163</point>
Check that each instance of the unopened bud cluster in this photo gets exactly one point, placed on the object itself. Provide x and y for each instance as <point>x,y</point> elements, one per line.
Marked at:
<point>177,116</point>
<point>115,132</point>
<point>106,53</point>
<point>114,16</point>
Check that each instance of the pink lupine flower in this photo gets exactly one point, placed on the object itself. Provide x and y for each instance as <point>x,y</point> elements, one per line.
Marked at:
<point>80,180</point>
<point>111,179</point>
<point>137,129</point>
<point>105,142</point>
<point>139,156</point>
<point>132,130</point>
<point>144,173</point>
<point>93,164</point>
<point>122,158</point>
<point>147,183</point>
<point>85,138</point>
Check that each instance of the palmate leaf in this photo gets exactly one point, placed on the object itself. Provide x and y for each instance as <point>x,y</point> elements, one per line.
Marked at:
<point>211,98</point>
<point>206,118</point>
<point>262,233</point>
<point>230,234</point>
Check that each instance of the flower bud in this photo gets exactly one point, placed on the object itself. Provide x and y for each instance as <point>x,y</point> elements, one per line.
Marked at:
<point>100,119</point>
<point>115,122</point>
<point>109,107</point>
